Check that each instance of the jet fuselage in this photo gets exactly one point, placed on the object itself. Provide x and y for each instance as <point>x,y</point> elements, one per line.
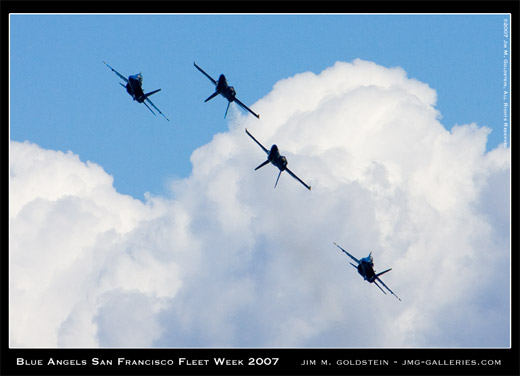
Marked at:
<point>275,158</point>
<point>366,269</point>
<point>224,89</point>
<point>134,87</point>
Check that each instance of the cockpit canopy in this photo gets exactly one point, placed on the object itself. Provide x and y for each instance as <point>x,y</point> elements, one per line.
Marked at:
<point>138,77</point>
<point>369,259</point>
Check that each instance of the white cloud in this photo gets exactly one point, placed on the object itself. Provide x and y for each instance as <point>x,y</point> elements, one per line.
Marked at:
<point>230,261</point>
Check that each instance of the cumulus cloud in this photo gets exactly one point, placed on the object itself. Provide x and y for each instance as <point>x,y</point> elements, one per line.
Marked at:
<point>229,261</point>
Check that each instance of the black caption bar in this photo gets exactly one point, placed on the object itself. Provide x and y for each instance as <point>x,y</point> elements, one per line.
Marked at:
<point>259,361</point>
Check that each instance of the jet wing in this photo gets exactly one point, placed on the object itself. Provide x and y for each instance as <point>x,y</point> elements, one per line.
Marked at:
<point>262,146</point>
<point>375,283</point>
<point>297,178</point>
<point>348,254</point>
<point>205,74</point>
<point>246,108</point>
<point>116,72</point>
<point>154,106</point>
<point>391,292</point>
<point>148,107</point>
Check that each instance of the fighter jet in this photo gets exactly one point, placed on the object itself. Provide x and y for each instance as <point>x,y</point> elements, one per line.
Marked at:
<point>365,267</point>
<point>134,87</point>
<point>228,92</point>
<point>278,160</point>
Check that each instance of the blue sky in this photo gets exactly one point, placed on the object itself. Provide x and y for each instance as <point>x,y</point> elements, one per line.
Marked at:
<point>62,97</point>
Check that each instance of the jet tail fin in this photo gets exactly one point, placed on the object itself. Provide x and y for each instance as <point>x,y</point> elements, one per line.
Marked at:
<point>262,165</point>
<point>380,274</point>
<point>275,184</point>
<point>151,93</point>
<point>227,108</point>
<point>211,96</point>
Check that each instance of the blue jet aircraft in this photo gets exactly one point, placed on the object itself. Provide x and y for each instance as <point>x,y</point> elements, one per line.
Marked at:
<point>278,160</point>
<point>134,87</point>
<point>365,267</point>
<point>228,92</point>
